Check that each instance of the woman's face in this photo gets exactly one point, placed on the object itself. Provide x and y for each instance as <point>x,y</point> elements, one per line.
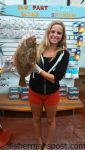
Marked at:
<point>55,34</point>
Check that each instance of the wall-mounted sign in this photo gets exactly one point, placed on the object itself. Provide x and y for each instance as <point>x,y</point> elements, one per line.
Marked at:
<point>43,11</point>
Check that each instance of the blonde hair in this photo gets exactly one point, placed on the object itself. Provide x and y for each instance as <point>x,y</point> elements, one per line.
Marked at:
<point>45,42</point>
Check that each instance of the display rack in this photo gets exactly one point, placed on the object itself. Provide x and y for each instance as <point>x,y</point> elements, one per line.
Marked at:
<point>32,26</point>
<point>12,30</point>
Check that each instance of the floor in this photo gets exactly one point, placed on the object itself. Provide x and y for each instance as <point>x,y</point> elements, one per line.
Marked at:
<point>69,134</point>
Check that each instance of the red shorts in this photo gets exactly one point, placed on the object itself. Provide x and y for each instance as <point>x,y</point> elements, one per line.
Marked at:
<point>45,99</point>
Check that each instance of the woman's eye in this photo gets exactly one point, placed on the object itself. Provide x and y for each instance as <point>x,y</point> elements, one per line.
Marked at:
<point>53,31</point>
<point>59,33</point>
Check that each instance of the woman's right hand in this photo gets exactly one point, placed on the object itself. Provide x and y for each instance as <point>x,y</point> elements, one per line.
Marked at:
<point>37,69</point>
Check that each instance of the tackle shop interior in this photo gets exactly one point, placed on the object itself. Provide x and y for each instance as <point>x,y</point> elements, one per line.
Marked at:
<point>30,18</point>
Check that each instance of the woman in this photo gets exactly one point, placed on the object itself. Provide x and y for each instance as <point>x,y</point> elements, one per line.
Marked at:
<point>44,82</point>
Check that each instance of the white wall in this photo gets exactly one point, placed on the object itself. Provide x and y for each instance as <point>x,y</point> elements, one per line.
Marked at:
<point>82,58</point>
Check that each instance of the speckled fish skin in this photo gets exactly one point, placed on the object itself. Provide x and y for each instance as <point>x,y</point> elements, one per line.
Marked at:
<point>26,56</point>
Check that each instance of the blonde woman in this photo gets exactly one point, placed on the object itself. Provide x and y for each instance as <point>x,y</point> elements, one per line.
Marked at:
<point>44,82</point>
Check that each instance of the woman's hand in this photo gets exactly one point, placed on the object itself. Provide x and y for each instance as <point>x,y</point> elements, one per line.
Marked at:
<point>37,69</point>
<point>50,77</point>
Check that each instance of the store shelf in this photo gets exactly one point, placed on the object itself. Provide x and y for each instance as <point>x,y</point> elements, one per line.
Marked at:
<point>81,71</point>
<point>23,105</point>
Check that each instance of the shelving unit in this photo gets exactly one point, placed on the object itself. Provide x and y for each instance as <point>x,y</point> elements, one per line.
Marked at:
<point>80,83</point>
<point>9,45</point>
<point>9,39</point>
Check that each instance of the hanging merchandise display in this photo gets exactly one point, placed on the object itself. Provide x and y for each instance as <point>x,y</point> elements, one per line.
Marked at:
<point>25,21</point>
<point>75,27</point>
<point>79,40</point>
<point>78,27</point>
<point>71,61</point>
<point>81,27</point>
<point>77,54</point>
<point>68,73</point>
<point>74,73</point>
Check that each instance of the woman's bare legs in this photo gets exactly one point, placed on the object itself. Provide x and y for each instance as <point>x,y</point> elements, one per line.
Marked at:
<point>37,111</point>
<point>51,123</point>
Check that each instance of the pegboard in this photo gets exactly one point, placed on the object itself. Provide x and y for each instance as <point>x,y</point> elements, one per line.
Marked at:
<point>13,29</point>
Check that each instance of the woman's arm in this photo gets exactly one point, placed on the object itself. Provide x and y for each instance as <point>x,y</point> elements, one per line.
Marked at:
<point>61,67</point>
<point>50,77</point>
<point>59,71</point>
